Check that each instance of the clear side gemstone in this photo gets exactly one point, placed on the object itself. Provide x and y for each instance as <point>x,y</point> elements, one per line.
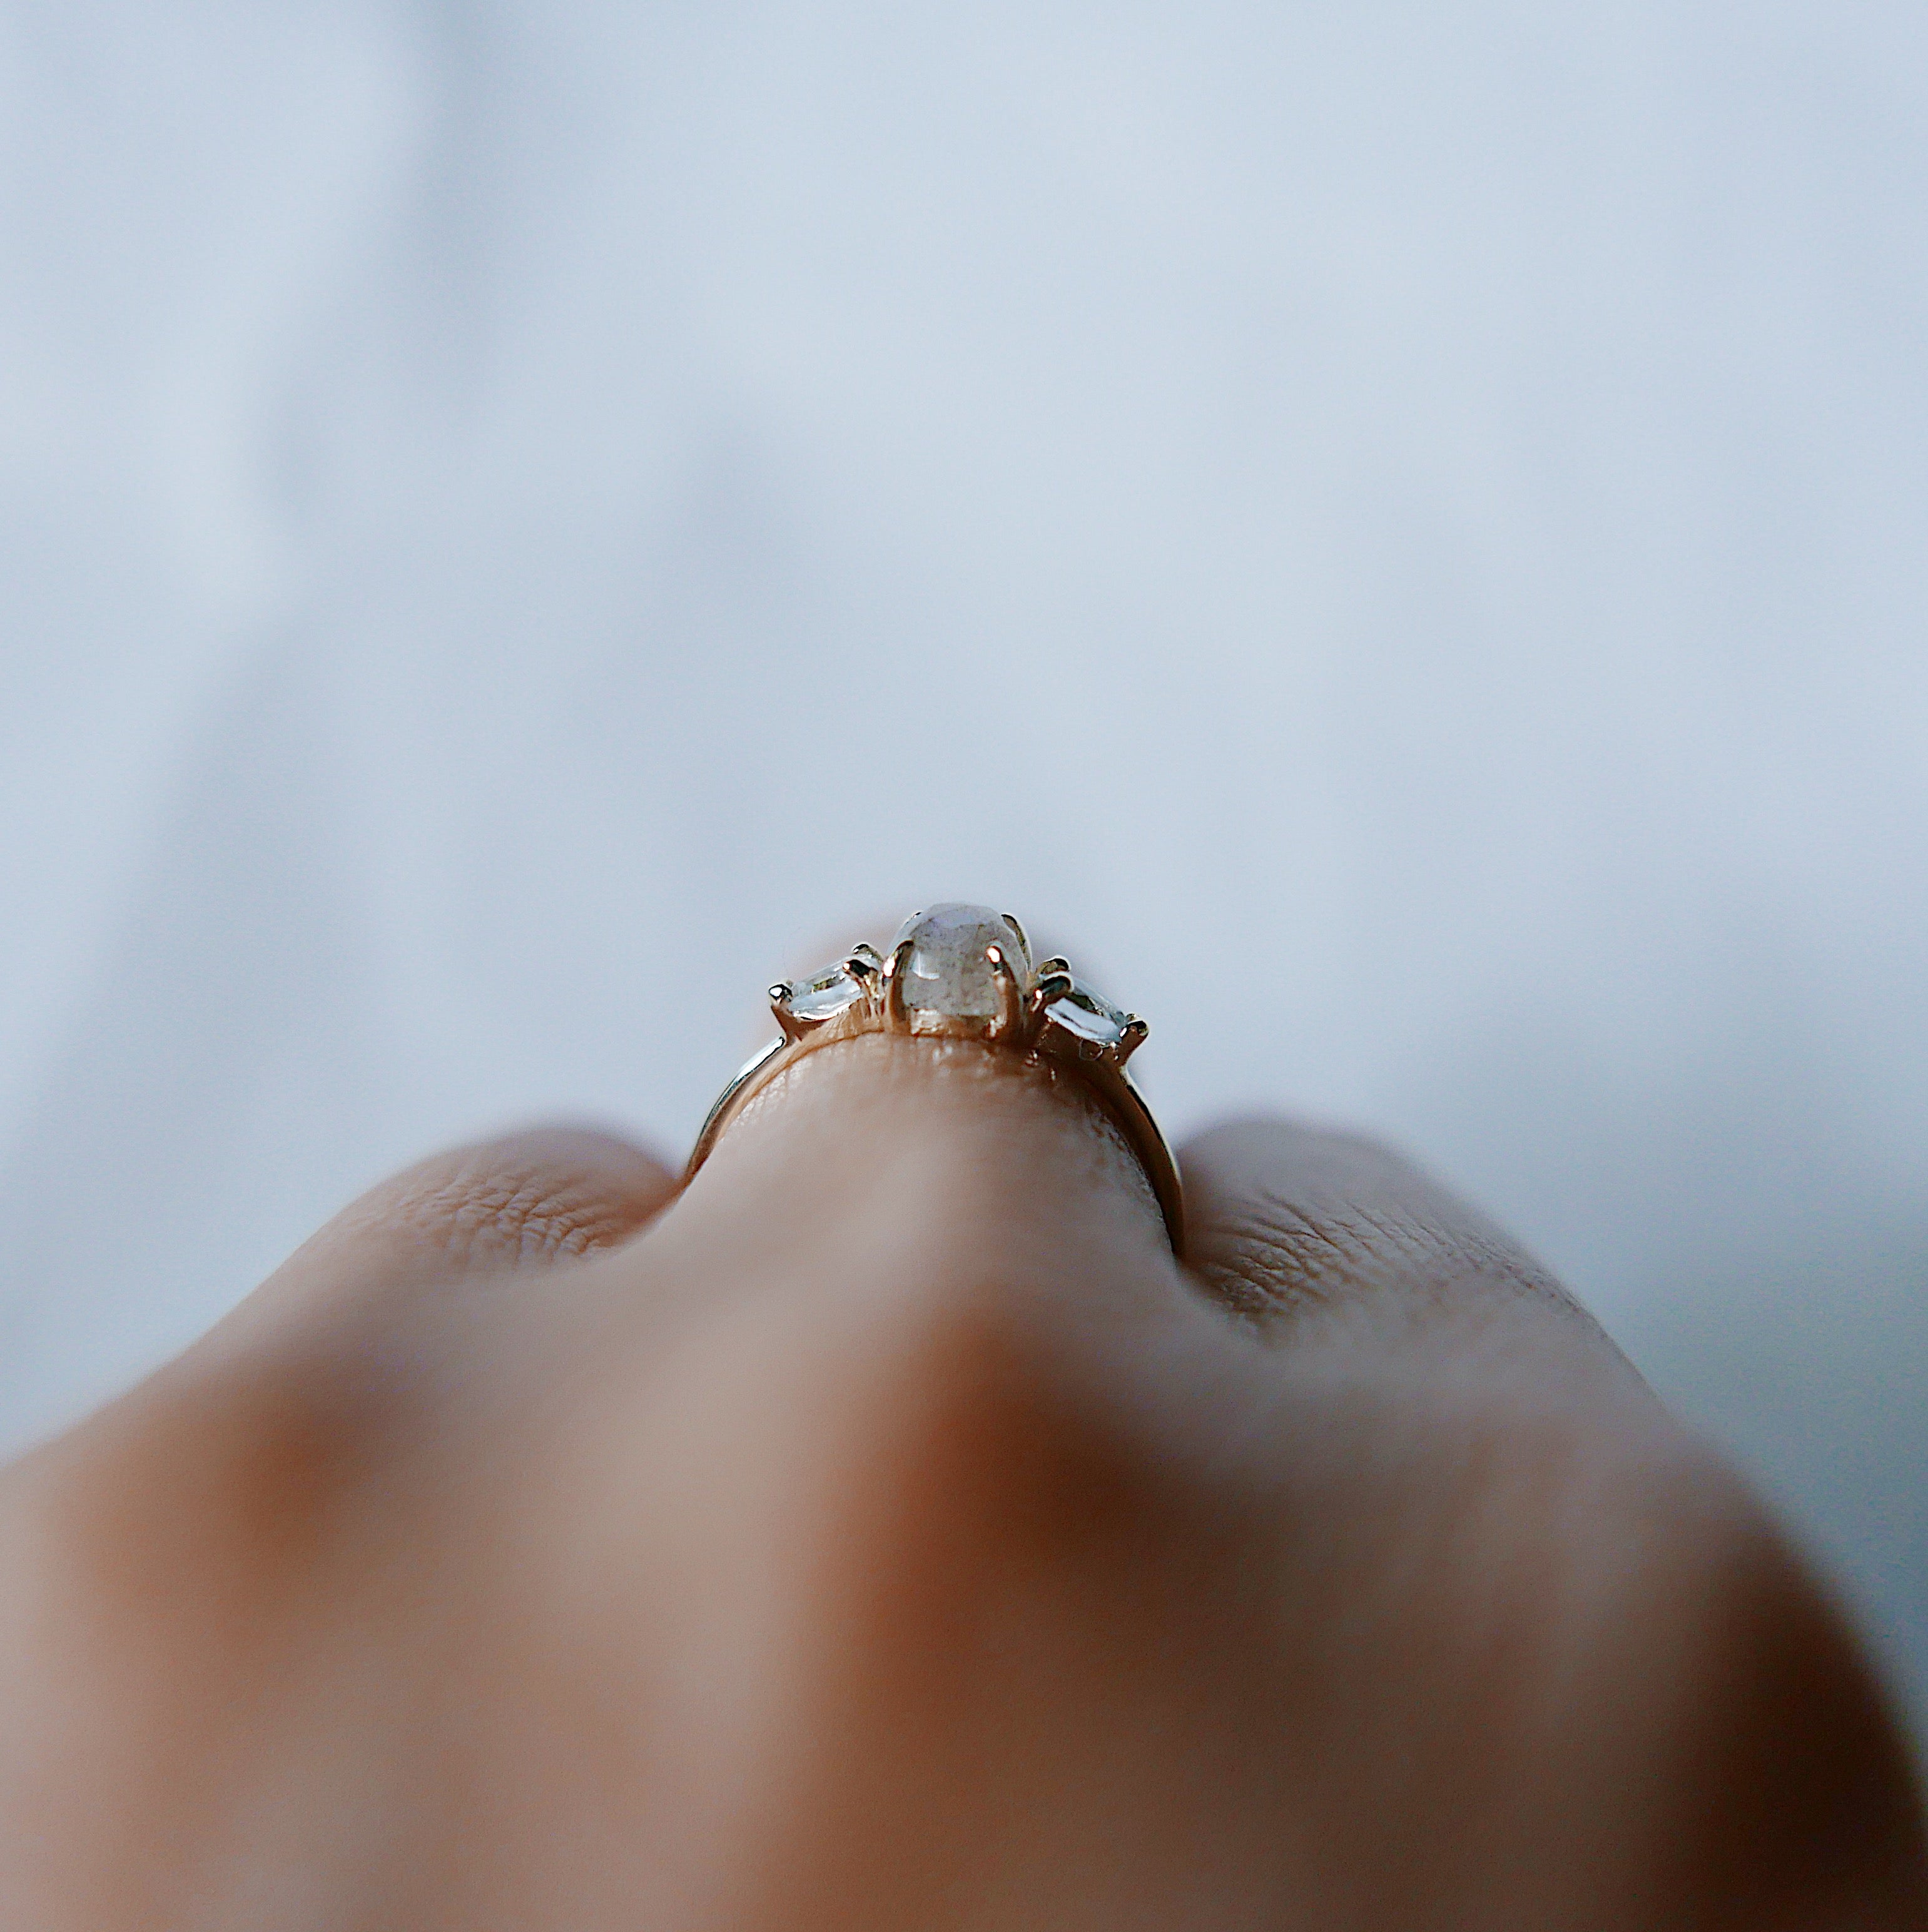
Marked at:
<point>945,970</point>
<point>1088,1016</point>
<point>825,995</point>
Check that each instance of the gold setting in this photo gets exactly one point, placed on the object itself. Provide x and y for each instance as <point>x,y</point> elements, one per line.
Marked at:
<point>1043,1013</point>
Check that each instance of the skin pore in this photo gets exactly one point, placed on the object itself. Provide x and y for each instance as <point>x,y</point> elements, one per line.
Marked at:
<point>886,1532</point>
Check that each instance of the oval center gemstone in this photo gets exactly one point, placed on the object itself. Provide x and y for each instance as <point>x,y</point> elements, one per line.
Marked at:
<point>945,970</point>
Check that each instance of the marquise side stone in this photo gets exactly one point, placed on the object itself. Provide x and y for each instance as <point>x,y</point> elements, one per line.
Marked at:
<point>1088,1016</point>
<point>825,994</point>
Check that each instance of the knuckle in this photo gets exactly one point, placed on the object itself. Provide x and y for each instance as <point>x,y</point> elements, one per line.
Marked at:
<point>165,1565</point>
<point>1295,1220</point>
<point>977,1435</point>
<point>544,1195</point>
<point>184,1510</point>
<point>176,1500</point>
<point>924,1461</point>
<point>1289,1254</point>
<point>1277,1258</point>
<point>1778,1716</point>
<point>477,1218</point>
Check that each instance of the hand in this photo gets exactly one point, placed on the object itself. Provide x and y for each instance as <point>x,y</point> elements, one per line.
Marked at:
<point>887,1533</point>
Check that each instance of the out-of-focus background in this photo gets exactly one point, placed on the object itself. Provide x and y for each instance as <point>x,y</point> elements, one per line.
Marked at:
<point>1398,534</point>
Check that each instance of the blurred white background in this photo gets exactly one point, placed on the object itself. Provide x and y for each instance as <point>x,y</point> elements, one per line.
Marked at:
<point>1396,533</point>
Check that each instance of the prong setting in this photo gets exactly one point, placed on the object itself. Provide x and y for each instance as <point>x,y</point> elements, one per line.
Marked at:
<point>780,995</point>
<point>958,973</point>
<point>1075,1022</point>
<point>1002,999</point>
<point>896,1017</point>
<point>1011,1019</point>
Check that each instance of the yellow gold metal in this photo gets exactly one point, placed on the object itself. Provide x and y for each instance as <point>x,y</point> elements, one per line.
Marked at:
<point>895,1018</point>
<point>1010,1021</point>
<point>780,995</point>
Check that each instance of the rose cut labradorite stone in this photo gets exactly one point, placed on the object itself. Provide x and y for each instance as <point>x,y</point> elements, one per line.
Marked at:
<point>946,971</point>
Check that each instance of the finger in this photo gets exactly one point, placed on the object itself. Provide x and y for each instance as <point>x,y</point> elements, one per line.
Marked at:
<point>955,1169</point>
<point>528,1200</point>
<point>1305,1231</point>
<point>263,1414</point>
<point>1012,1151</point>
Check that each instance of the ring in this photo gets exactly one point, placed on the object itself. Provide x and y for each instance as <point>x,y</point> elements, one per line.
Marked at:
<point>963,972</point>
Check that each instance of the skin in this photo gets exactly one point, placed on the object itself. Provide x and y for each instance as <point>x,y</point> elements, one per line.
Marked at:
<point>886,1532</point>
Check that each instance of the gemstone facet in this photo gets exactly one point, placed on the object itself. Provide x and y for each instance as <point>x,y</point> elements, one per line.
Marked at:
<point>825,995</point>
<point>945,970</point>
<point>1087,1016</point>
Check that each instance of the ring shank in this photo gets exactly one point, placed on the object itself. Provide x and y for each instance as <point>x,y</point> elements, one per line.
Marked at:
<point>1111,1086</point>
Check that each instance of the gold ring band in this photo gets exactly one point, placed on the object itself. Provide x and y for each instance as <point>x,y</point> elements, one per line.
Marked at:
<point>965,972</point>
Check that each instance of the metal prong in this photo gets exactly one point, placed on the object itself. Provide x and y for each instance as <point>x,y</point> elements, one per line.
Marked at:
<point>780,999</point>
<point>1010,919</point>
<point>895,1018</point>
<point>1010,1020</point>
<point>1057,963</point>
<point>866,965</point>
<point>1135,1032</point>
<point>1045,988</point>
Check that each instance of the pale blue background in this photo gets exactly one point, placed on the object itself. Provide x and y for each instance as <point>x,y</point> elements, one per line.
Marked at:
<point>1399,532</point>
